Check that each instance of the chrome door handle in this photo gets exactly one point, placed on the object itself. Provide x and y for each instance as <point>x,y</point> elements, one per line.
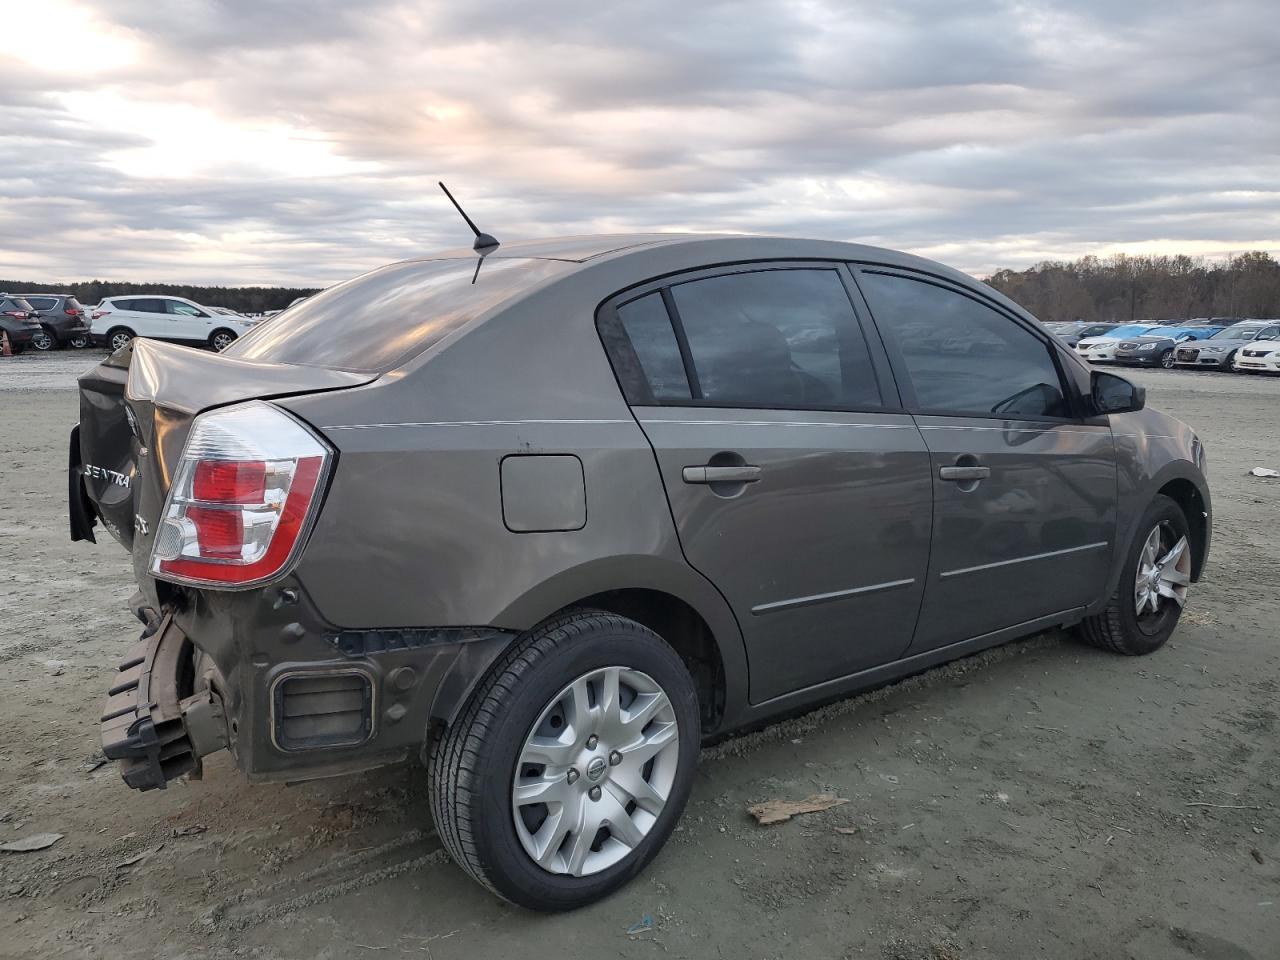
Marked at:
<point>962,474</point>
<point>740,474</point>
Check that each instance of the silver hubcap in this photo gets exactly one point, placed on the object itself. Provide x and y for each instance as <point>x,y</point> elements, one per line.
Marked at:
<point>221,342</point>
<point>1167,361</point>
<point>595,771</point>
<point>1163,574</point>
<point>42,341</point>
<point>119,340</point>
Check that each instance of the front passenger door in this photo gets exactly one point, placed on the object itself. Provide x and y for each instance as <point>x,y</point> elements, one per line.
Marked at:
<point>1024,503</point>
<point>189,323</point>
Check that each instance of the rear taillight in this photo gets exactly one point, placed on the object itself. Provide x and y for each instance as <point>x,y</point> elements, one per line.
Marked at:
<point>242,500</point>
<point>99,314</point>
<point>20,314</point>
<point>71,311</point>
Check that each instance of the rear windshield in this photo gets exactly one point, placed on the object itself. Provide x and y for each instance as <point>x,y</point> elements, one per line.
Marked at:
<point>378,321</point>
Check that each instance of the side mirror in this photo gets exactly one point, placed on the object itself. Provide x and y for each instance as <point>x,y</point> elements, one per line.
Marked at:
<point>1113,394</point>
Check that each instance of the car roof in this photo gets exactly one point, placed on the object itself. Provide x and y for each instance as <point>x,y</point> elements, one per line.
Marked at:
<point>574,249</point>
<point>694,250</point>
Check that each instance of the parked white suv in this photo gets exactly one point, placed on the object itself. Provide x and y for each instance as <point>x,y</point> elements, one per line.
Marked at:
<point>117,320</point>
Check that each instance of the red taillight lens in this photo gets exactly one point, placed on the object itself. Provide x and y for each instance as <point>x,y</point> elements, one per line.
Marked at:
<point>71,311</point>
<point>242,499</point>
<point>230,481</point>
<point>219,533</point>
<point>99,314</point>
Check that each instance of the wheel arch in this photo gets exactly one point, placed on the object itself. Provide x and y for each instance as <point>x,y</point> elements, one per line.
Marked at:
<point>1188,496</point>
<point>671,599</point>
<point>1182,482</point>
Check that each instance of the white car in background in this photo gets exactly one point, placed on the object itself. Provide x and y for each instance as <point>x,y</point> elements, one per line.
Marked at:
<point>117,320</point>
<point>1103,349</point>
<point>1261,356</point>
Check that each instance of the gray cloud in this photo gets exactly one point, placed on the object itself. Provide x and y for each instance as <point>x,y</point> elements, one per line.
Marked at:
<point>300,141</point>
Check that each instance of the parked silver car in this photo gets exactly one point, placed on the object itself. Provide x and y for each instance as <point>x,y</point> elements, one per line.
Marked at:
<point>1219,351</point>
<point>552,517</point>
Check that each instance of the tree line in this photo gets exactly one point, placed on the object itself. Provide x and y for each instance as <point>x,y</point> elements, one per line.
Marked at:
<point>1123,288</point>
<point>239,299</point>
<point>1118,288</point>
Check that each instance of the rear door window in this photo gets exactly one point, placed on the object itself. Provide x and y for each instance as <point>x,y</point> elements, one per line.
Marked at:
<point>377,322</point>
<point>784,338</point>
<point>962,357</point>
<point>654,350</point>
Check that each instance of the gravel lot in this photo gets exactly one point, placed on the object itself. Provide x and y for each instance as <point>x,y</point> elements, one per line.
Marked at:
<point>1042,800</point>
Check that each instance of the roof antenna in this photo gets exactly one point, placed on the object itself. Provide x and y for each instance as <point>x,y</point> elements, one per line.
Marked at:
<point>484,242</point>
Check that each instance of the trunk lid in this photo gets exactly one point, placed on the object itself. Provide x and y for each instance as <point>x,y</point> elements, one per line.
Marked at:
<point>136,409</point>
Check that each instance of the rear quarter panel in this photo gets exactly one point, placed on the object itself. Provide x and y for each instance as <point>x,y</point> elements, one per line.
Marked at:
<point>412,531</point>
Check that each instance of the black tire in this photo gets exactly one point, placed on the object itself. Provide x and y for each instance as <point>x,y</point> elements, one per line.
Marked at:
<point>474,761</point>
<point>118,338</point>
<point>220,339</point>
<point>45,340</point>
<point>1166,359</point>
<point>1118,627</point>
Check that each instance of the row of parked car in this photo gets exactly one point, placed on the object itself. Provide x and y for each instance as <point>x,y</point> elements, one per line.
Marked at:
<point>1216,343</point>
<point>46,321</point>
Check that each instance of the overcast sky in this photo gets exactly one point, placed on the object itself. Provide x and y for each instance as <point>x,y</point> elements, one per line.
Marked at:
<point>299,142</point>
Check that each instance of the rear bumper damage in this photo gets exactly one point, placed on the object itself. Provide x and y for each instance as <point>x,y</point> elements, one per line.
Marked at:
<point>156,732</point>
<point>290,702</point>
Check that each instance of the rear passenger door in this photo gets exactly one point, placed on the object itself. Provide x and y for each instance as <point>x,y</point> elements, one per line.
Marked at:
<point>1024,504</point>
<point>797,484</point>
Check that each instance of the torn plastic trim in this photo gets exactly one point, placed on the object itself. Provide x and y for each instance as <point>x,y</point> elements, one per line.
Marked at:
<point>157,734</point>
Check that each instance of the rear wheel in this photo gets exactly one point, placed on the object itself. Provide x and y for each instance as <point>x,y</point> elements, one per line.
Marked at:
<point>570,764</point>
<point>78,342</point>
<point>119,337</point>
<point>1147,604</point>
<point>44,339</point>
<point>221,339</point>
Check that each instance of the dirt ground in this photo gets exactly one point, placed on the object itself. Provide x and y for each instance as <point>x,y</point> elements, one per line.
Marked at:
<point>1042,800</point>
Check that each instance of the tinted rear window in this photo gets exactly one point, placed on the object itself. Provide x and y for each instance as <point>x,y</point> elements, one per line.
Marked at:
<point>378,321</point>
<point>43,303</point>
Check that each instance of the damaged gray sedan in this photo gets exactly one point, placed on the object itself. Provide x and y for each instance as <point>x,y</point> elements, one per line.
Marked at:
<point>550,515</point>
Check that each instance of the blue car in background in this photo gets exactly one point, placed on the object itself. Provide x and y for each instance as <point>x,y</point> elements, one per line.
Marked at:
<point>1155,347</point>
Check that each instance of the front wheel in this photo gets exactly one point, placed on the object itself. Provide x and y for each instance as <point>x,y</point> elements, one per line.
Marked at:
<point>1166,359</point>
<point>1142,613</point>
<point>570,764</point>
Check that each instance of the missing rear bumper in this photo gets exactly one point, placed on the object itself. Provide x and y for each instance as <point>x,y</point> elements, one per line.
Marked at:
<point>156,732</point>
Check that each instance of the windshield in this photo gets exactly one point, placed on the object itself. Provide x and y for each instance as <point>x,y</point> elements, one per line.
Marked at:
<point>1241,331</point>
<point>376,322</point>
